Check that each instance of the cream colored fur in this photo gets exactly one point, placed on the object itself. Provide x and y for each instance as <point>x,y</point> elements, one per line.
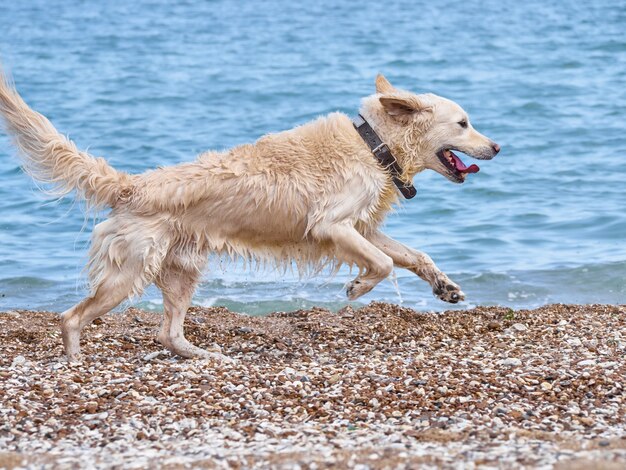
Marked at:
<point>313,196</point>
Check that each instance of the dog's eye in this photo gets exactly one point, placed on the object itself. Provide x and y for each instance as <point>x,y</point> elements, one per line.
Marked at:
<point>463,123</point>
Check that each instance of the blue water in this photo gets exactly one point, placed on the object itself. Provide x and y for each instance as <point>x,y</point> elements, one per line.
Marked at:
<point>149,83</point>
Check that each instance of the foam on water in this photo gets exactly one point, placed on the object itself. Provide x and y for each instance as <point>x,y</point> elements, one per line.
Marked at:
<point>150,84</point>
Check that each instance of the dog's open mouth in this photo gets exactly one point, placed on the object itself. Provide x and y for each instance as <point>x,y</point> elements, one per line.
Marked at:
<point>455,165</point>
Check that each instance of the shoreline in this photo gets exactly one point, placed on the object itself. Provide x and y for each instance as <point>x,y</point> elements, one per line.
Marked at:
<point>380,385</point>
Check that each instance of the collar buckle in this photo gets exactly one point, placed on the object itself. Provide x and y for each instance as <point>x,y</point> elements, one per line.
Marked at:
<point>382,147</point>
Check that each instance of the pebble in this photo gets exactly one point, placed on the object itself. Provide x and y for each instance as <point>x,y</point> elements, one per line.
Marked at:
<point>608,364</point>
<point>519,327</point>
<point>587,362</point>
<point>574,342</point>
<point>587,421</point>
<point>96,416</point>
<point>510,361</point>
<point>18,360</point>
<point>288,371</point>
<point>153,355</point>
<point>334,379</point>
<point>91,407</point>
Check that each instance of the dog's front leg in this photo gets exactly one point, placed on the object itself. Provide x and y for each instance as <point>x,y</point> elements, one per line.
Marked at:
<point>419,263</point>
<point>351,247</point>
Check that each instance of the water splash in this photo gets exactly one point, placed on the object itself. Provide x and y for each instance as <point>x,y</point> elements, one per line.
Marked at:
<point>393,278</point>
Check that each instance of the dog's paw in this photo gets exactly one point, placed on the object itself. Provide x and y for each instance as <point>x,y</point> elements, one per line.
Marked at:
<point>75,359</point>
<point>357,288</point>
<point>449,292</point>
<point>352,289</point>
<point>183,348</point>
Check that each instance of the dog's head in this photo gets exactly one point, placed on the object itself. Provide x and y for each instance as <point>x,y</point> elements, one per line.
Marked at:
<point>424,130</point>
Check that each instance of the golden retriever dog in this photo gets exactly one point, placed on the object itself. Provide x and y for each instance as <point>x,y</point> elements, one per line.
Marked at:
<point>314,196</point>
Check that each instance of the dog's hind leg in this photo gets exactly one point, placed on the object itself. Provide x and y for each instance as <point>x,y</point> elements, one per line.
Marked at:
<point>351,247</point>
<point>420,264</point>
<point>178,285</point>
<point>124,258</point>
<point>106,297</point>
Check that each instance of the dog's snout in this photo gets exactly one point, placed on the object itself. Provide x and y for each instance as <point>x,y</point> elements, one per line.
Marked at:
<point>495,147</point>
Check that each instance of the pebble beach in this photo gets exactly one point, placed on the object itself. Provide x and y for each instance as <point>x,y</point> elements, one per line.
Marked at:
<point>376,387</point>
<point>309,380</point>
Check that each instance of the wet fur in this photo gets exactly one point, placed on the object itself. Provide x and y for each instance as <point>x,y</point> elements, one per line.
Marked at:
<point>312,196</point>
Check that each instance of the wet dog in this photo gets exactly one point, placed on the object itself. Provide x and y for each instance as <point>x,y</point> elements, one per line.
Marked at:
<point>314,196</point>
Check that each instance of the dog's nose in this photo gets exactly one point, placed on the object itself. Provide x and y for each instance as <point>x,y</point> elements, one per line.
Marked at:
<point>495,147</point>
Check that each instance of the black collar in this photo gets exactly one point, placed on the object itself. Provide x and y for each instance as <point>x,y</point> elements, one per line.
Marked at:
<point>383,155</point>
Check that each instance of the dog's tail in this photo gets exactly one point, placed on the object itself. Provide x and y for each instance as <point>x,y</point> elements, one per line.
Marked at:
<point>51,158</point>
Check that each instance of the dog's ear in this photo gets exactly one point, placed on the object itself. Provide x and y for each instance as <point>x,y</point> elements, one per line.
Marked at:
<point>402,106</point>
<point>397,106</point>
<point>383,85</point>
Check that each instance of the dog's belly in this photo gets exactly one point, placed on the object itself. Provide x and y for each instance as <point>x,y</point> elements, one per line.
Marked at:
<point>269,240</point>
<point>267,234</point>
<point>249,232</point>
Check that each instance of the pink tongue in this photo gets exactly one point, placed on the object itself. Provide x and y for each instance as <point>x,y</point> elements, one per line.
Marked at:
<point>460,166</point>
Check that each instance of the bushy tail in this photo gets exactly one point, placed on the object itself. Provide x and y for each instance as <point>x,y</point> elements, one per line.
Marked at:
<point>51,158</point>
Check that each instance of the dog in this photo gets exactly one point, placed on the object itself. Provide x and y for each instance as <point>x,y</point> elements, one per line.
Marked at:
<point>314,196</point>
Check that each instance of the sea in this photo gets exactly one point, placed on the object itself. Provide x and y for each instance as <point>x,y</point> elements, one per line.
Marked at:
<point>150,83</point>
